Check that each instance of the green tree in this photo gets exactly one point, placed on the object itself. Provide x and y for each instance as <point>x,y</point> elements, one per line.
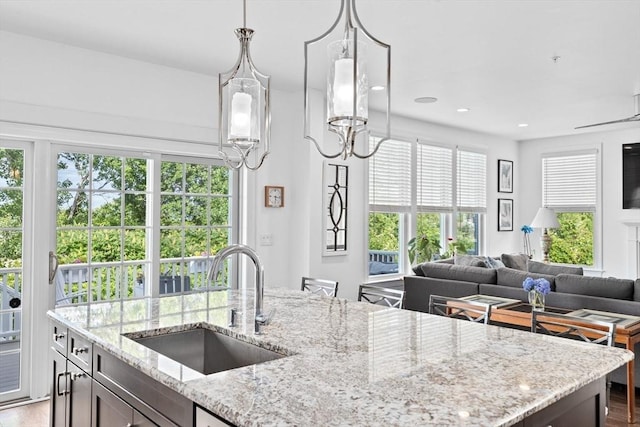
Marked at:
<point>572,243</point>
<point>383,231</point>
<point>11,205</point>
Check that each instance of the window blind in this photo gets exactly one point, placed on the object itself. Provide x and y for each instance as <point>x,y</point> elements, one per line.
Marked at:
<point>434,179</point>
<point>569,182</point>
<point>471,181</point>
<point>390,177</point>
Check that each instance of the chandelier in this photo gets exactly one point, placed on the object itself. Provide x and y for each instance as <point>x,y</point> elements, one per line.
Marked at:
<point>243,108</point>
<point>352,67</point>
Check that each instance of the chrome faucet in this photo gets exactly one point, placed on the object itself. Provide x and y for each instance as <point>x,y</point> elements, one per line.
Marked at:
<point>260,317</point>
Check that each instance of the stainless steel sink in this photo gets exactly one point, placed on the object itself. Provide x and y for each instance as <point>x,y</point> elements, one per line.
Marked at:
<point>207,351</point>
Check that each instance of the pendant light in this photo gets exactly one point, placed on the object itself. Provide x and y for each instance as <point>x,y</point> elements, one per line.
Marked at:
<point>243,108</point>
<point>351,67</point>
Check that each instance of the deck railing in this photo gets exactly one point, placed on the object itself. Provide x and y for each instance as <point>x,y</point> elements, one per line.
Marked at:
<point>387,257</point>
<point>10,302</point>
<point>81,283</point>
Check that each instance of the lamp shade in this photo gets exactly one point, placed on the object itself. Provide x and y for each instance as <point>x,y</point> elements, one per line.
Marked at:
<point>545,218</point>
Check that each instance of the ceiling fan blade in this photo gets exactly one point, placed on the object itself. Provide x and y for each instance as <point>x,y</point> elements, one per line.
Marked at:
<point>628,119</point>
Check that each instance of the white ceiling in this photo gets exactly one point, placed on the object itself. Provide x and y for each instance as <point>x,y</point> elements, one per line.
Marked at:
<point>494,57</point>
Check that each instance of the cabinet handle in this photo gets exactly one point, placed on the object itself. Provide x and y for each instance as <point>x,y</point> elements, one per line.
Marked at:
<point>76,375</point>
<point>77,351</point>
<point>57,337</point>
<point>129,425</point>
<point>60,375</point>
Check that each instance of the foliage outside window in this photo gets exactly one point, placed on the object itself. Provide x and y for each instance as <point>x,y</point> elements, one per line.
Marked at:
<point>11,198</point>
<point>572,243</point>
<point>105,223</point>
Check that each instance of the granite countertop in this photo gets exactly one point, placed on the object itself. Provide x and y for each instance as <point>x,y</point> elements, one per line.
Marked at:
<point>352,363</point>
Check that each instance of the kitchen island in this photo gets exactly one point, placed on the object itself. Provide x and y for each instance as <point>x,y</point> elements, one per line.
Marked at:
<point>350,363</point>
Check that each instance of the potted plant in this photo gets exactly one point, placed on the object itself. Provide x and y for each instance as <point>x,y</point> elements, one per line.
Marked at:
<point>422,249</point>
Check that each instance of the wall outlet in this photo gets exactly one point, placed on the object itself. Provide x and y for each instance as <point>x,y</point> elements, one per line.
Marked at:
<point>266,239</point>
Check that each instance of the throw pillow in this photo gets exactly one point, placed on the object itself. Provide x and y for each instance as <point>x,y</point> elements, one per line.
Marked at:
<point>470,261</point>
<point>636,292</point>
<point>542,268</point>
<point>494,262</point>
<point>417,270</point>
<point>517,261</point>
<point>595,286</point>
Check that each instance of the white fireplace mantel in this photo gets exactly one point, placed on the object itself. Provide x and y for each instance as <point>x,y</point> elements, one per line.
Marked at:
<point>633,244</point>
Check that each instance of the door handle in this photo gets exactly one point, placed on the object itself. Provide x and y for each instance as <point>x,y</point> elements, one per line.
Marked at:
<point>53,266</point>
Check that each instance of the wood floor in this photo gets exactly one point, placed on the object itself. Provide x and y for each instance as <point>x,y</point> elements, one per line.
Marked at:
<point>37,414</point>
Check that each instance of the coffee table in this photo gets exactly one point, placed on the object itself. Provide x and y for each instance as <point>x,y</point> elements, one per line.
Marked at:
<point>519,315</point>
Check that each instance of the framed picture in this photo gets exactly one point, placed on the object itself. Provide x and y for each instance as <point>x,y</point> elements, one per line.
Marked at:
<point>505,176</point>
<point>505,214</point>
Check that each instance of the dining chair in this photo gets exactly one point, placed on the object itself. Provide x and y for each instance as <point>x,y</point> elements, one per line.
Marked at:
<point>577,328</point>
<point>379,295</point>
<point>320,286</point>
<point>459,308</point>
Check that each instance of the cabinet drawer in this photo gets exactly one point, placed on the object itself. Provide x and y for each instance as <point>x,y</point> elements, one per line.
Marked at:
<point>59,338</point>
<point>80,352</point>
<point>154,400</point>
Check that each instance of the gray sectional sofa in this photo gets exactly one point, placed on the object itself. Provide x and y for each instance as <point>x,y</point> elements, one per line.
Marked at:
<point>503,277</point>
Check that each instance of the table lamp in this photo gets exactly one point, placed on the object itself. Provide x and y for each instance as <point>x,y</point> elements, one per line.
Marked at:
<point>545,218</point>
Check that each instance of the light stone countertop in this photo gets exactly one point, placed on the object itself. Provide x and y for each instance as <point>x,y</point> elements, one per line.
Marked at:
<point>352,363</point>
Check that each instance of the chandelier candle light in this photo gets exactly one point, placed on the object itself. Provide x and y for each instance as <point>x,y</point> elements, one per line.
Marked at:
<point>244,117</point>
<point>350,79</point>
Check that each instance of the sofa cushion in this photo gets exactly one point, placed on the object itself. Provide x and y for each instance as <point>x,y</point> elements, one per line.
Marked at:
<point>517,261</point>
<point>543,268</point>
<point>459,272</point>
<point>419,289</point>
<point>417,269</point>
<point>514,278</point>
<point>636,292</point>
<point>470,260</point>
<point>607,287</point>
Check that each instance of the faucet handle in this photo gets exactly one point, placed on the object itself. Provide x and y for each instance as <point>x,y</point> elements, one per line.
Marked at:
<point>265,319</point>
<point>233,317</point>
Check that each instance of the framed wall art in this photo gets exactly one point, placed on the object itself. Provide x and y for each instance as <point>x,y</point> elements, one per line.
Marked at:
<point>505,214</point>
<point>505,176</point>
<point>335,185</point>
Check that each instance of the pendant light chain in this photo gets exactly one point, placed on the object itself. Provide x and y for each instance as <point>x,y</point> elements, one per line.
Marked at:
<point>244,13</point>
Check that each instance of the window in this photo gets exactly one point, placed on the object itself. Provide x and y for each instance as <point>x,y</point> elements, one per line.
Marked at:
<point>412,189</point>
<point>570,188</point>
<point>113,244</point>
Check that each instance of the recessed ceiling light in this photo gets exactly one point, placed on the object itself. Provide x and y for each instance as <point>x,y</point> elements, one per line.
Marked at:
<point>426,100</point>
<point>523,125</point>
<point>463,110</point>
<point>377,88</point>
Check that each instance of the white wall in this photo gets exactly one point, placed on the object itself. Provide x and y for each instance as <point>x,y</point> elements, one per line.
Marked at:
<point>614,232</point>
<point>48,83</point>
